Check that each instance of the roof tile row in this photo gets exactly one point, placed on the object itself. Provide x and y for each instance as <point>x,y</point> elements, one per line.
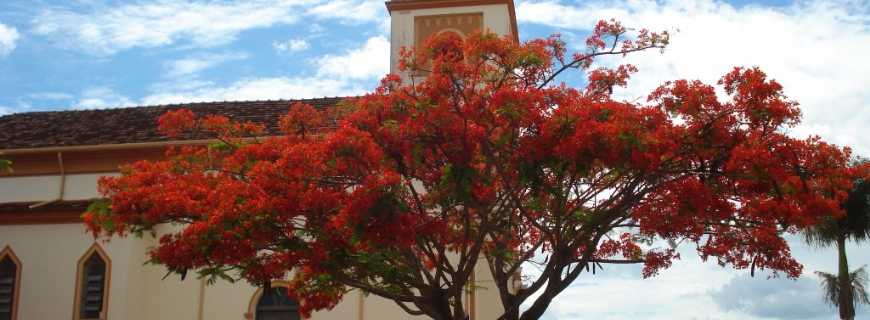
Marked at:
<point>130,125</point>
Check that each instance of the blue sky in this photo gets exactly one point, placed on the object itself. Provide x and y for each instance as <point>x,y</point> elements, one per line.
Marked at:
<point>58,55</point>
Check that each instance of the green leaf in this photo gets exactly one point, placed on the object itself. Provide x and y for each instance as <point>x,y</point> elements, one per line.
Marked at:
<point>5,166</point>
<point>218,146</point>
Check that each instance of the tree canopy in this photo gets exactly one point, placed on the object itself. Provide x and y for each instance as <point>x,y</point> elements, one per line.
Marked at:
<point>480,152</point>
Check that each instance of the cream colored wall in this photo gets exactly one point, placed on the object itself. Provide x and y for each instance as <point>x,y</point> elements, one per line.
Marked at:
<point>49,256</point>
<point>488,303</point>
<point>47,187</point>
<point>231,301</point>
<point>496,19</point>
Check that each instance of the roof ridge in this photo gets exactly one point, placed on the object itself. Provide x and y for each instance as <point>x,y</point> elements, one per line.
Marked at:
<point>173,105</point>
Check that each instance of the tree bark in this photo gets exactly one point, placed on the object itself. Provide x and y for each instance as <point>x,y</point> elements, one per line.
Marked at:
<point>846,303</point>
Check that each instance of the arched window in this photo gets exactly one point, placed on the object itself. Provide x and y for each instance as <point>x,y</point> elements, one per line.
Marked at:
<point>274,304</point>
<point>92,289</point>
<point>10,281</point>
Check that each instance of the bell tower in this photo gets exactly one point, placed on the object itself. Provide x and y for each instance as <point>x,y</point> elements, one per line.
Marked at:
<point>412,21</point>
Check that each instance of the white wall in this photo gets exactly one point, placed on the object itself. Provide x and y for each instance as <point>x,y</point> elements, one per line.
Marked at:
<point>47,187</point>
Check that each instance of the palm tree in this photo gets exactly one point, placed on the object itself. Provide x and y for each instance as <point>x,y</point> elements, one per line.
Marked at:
<point>831,286</point>
<point>845,289</point>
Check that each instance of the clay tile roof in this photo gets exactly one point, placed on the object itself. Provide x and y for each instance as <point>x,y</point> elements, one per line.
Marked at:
<point>129,125</point>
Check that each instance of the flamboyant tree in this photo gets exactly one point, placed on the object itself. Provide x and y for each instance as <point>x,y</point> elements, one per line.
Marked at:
<point>480,152</point>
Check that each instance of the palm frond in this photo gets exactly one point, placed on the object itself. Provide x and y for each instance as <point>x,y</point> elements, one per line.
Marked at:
<point>830,288</point>
<point>858,278</point>
<point>822,235</point>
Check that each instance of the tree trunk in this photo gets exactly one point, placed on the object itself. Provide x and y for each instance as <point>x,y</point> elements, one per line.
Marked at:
<point>511,312</point>
<point>846,304</point>
<point>441,308</point>
<point>539,307</point>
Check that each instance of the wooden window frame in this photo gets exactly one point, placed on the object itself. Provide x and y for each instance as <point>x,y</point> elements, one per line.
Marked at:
<point>98,250</point>
<point>16,287</point>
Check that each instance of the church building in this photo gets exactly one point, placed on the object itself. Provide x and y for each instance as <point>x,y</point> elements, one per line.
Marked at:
<point>50,268</point>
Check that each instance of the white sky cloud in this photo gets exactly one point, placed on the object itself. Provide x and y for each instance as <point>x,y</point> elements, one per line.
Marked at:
<point>692,289</point>
<point>102,97</point>
<point>773,298</point>
<point>817,50</point>
<point>354,72</point>
<point>259,89</point>
<point>8,38</point>
<point>353,11</point>
<point>109,29</point>
<point>192,65</point>
<point>291,45</point>
<point>50,95</point>
<point>370,61</point>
